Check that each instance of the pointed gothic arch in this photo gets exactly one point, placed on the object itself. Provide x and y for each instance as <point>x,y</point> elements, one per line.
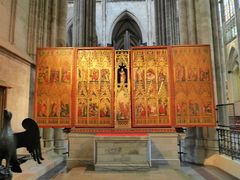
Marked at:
<point>233,75</point>
<point>232,59</point>
<point>126,22</point>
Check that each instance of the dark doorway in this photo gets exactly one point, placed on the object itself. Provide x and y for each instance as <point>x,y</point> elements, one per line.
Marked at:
<point>126,33</point>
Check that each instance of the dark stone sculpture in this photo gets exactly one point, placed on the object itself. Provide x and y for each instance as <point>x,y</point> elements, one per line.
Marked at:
<point>7,146</point>
<point>30,139</point>
<point>9,142</point>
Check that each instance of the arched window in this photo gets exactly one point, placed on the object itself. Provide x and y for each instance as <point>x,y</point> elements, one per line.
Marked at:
<point>229,22</point>
<point>233,76</point>
<point>229,9</point>
<point>236,83</point>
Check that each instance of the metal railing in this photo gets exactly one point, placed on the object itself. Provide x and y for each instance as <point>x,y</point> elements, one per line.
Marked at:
<point>228,130</point>
<point>229,142</point>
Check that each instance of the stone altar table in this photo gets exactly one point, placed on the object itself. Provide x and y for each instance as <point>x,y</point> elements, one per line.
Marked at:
<point>121,151</point>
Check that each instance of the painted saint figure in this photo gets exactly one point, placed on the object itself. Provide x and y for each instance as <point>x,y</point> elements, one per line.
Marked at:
<point>42,109</point>
<point>43,75</point>
<point>53,110</point>
<point>66,76</point>
<point>65,110</point>
<point>82,108</point>
<point>163,107</point>
<point>54,76</point>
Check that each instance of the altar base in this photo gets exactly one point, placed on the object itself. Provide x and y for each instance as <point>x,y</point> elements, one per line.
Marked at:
<point>121,151</point>
<point>161,149</point>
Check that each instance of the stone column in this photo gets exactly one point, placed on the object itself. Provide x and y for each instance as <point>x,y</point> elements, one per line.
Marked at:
<point>32,26</point>
<point>48,135</point>
<point>104,13</point>
<point>183,28</point>
<point>166,18</point>
<point>62,23</point>
<point>59,138</point>
<point>46,28</point>
<point>191,22</point>
<point>84,23</point>
<point>78,22</point>
<point>52,9</point>
<point>54,19</point>
<point>59,141</point>
<point>218,48</point>
<point>45,24</point>
<point>92,38</point>
<point>148,4</point>
<point>196,27</point>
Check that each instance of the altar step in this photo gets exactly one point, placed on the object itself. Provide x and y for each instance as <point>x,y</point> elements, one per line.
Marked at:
<point>32,170</point>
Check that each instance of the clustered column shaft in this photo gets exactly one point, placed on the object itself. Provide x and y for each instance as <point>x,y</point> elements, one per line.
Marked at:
<point>166,18</point>
<point>47,28</point>
<point>84,23</point>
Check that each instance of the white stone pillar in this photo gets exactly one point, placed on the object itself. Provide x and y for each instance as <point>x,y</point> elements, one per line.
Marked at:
<point>59,141</point>
<point>48,138</point>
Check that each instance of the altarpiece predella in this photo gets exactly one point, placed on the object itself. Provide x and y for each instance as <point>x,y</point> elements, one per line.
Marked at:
<point>146,87</point>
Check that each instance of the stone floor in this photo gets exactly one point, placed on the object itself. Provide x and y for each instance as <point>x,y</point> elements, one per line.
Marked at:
<point>163,173</point>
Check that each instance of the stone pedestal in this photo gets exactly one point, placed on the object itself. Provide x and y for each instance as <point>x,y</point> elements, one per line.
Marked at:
<point>59,141</point>
<point>48,137</point>
<point>164,150</point>
<point>85,149</point>
<point>80,149</point>
<point>121,152</point>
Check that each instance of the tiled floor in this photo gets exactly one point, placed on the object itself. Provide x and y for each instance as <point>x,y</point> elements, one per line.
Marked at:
<point>164,173</point>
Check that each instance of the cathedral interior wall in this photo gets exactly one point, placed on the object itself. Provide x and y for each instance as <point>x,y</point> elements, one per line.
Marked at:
<point>142,10</point>
<point>21,24</point>
<point>5,9</point>
<point>17,75</point>
<point>14,61</point>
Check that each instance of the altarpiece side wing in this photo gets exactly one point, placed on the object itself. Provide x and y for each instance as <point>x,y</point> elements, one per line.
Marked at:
<point>54,100</point>
<point>193,86</point>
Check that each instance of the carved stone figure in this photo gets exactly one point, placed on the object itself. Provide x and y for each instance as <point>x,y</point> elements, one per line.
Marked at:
<point>7,146</point>
<point>9,142</point>
<point>30,139</point>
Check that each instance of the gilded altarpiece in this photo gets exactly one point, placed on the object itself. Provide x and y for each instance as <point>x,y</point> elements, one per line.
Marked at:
<point>193,86</point>
<point>95,87</point>
<point>122,89</point>
<point>151,103</point>
<point>53,87</point>
<point>143,89</point>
